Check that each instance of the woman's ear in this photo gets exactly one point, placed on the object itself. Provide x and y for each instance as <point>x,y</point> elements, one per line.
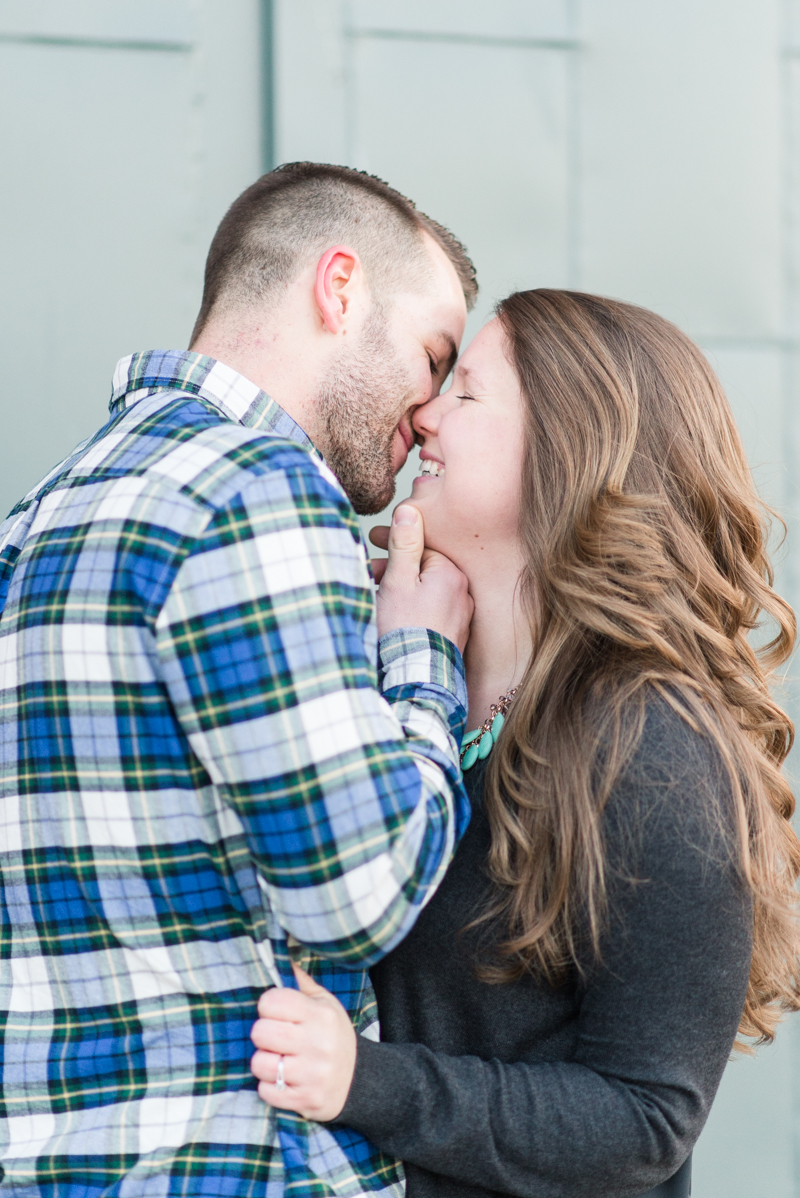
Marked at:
<point>338,287</point>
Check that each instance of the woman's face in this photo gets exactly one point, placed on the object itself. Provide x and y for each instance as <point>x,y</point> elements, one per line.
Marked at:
<point>472,450</point>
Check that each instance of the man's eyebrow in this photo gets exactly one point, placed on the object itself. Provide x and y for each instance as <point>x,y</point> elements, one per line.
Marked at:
<point>452,353</point>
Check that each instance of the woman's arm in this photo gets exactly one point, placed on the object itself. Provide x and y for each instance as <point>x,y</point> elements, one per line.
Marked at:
<point>656,1026</point>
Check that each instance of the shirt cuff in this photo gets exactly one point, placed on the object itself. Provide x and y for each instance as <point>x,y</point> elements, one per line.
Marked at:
<point>420,657</point>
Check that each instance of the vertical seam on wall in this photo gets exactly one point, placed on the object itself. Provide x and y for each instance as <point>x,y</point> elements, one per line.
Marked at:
<point>350,102</point>
<point>196,150</point>
<point>267,33</point>
<point>574,189</point>
<point>789,357</point>
<point>790,378</point>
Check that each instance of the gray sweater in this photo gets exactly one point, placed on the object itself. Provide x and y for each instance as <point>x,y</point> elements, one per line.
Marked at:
<point>599,1087</point>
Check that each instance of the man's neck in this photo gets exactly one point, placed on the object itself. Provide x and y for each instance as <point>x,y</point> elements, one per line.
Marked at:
<point>267,353</point>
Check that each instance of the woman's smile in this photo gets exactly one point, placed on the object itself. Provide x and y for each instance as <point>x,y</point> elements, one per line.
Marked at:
<point>430,467</point>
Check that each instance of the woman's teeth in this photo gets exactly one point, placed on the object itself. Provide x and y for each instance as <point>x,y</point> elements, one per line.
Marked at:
<point>430,467</point>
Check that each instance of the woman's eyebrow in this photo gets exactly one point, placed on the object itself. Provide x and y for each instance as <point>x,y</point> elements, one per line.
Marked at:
<point>468,375</point>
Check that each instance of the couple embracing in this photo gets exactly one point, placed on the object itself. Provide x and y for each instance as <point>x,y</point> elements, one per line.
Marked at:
<point>492,863</point>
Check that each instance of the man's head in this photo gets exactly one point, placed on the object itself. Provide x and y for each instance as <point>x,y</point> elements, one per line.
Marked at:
<point>331,291</point>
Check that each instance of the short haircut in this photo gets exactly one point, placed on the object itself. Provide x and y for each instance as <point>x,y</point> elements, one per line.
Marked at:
<point>300,209</point>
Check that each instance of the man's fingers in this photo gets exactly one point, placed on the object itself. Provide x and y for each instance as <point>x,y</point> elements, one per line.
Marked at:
<point>378,566</point>
<point>433,561</point>
<point>431,593</point>
<point>379,535</point>
<point>406,542</point>
<point>406,531</point>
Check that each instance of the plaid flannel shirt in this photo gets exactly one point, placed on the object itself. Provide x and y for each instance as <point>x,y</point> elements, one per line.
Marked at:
<point>199,763</point>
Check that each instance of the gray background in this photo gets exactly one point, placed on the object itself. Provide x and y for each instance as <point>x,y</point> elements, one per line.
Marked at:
<point>647,149</point>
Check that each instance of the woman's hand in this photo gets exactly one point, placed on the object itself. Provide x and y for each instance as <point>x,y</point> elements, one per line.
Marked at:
<point>313,1034</point>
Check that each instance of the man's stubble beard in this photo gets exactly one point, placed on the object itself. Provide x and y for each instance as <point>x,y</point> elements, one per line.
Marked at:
<point>359,405</point>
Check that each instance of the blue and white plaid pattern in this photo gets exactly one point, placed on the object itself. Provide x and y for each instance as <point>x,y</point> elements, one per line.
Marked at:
<point>199,766</point>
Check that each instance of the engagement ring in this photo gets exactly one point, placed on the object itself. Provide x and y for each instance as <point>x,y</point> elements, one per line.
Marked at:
<point>280,1080</point>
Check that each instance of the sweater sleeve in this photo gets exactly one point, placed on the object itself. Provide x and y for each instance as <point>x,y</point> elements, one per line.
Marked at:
<point>657,1021</point>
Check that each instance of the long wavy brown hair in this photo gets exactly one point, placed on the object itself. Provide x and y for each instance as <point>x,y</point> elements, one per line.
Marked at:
<point>646,570</point>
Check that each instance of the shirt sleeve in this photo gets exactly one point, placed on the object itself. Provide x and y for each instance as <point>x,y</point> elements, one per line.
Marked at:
<point>656,1026</point>
<point>351,801</point>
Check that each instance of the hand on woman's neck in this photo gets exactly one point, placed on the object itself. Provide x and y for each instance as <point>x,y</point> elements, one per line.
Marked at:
<point>500,642</point>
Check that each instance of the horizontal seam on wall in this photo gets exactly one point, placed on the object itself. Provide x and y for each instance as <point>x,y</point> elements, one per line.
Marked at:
<point>468,39</point>
<point>93,43</point>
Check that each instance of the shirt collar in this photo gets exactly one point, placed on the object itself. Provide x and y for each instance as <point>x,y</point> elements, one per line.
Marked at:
<point>143,374</point>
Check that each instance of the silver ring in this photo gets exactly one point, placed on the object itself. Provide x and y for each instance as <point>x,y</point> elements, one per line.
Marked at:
<point>280,1080</point>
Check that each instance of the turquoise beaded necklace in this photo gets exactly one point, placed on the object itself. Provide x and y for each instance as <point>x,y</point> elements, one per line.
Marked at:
<point>478,744</point>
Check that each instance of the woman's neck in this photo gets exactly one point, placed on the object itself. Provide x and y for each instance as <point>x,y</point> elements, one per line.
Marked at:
<point>499,645</point>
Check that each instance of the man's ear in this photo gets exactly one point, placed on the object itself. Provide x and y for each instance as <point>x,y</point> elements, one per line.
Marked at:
<point>339,282</point>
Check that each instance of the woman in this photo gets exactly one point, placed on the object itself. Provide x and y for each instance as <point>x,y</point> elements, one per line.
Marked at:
<point>558,1020</point>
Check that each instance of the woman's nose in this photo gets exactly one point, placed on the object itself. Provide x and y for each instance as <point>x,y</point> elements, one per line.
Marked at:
<point>425,421</point>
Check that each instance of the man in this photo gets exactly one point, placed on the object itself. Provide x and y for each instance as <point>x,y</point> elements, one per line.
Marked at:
<point>199,772</point>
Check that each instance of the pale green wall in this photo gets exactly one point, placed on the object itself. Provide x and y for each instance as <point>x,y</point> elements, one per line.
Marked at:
<point>648,149</point>
<point>126,128</point>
